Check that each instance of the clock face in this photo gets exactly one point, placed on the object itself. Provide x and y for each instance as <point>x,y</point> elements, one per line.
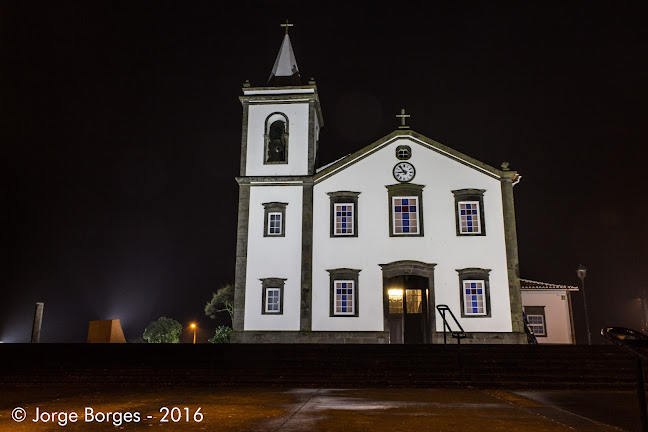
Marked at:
<point>404,171</point>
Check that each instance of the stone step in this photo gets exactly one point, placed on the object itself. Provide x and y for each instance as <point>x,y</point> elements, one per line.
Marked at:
<point>506,366</point>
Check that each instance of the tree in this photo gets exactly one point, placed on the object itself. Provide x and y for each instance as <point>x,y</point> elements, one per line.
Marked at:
<point>222,335</point>
<point>222,301</point>
<point>163,330</point>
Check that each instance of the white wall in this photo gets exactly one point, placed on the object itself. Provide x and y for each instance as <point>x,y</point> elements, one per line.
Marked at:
<point>558,325</point>
<point>440,245</point>
<point>297,114</point>
<point>278,257</point>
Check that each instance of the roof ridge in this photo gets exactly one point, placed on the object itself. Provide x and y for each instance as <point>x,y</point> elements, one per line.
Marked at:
<point>548,284</point>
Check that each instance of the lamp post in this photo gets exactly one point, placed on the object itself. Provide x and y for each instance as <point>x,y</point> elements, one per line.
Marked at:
<point>581,272</point>
<point>193,326</point>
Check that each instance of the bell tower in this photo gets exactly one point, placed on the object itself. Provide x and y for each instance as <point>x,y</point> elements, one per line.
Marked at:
<point>281,125</point>
<point>281,121</point>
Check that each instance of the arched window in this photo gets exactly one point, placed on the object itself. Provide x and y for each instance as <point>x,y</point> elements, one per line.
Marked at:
<point>276,137</point>
<point>276,146</point>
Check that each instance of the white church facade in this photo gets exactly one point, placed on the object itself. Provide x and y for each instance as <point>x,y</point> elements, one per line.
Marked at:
<point>363,250</point>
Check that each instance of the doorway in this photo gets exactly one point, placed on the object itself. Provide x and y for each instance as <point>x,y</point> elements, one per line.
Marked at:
<point>408,301</point>
<point>408,309</point>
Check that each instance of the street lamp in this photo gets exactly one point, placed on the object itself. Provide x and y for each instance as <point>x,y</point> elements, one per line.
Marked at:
<point>581,272</point>
<point>193,326</point>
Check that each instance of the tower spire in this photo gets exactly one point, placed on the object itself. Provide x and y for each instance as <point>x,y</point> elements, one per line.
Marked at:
<point>285,71</point>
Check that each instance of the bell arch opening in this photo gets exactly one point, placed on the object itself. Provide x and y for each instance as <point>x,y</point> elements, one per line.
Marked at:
<point>276,139</point>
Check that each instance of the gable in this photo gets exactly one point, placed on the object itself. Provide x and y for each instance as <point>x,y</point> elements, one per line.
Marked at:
<point>416,139</point>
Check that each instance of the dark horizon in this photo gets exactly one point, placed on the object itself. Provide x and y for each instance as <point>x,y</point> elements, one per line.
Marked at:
<point>122,141</point>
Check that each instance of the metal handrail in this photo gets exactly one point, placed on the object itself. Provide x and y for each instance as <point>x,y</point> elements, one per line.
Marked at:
<point>630,340</point>
<point>531,338</point>
<point>458,335</point>
<point>621,336</point>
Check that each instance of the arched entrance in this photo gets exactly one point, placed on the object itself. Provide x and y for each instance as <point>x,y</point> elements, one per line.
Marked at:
<point>408,301</point>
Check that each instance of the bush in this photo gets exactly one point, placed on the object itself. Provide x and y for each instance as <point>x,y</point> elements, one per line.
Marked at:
<point>222,335</point>
<point>163,330</point>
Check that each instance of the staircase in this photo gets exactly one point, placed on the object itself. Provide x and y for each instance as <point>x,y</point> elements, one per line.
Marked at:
<point>604,367</point>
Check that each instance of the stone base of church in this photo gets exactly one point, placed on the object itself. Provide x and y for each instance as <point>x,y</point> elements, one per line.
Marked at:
<point>487,338</point>
<point>360,337</point>
<point>321,337</point>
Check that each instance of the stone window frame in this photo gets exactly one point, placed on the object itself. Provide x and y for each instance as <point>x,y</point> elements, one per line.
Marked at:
<point>473,196</point>
<point>272,283</point>
<point>270,119</point>
<point>343,197</point>
<point>344,274</point>
<point>473,273</point>
<point>537,311</point>
<point>405,190</point>
<point>270,208</point>
<point>403,147</point>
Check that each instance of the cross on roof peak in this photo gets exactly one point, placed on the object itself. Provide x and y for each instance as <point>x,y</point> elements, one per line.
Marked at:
<point>403,117</point>
<point>286,25</point>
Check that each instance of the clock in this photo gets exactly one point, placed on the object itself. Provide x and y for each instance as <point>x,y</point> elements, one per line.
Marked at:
<point>404,171</point>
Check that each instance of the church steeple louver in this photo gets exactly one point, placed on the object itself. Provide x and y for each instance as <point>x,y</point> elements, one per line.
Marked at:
<point>285,71</point>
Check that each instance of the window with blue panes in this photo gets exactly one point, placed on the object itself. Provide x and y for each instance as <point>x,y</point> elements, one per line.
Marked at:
<point>474,297</point>
<point>406,215</point>
<point>344,297</point>
<point>469,217</point>
<point>344,214</point>
<point>344,219</point>
<point>469,210</point>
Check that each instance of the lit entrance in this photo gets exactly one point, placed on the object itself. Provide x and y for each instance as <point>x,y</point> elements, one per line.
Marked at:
<point>407,310</point>
<point>409,301</point>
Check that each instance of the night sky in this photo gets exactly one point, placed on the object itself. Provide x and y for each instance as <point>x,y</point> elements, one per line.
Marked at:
<point>122,128</point>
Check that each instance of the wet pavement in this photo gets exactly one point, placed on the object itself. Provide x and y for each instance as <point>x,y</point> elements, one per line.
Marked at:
<point>138,408</point>
<point>620,409</point>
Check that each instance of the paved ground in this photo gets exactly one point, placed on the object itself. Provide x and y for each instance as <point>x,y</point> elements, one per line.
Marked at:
<point>272,409</point>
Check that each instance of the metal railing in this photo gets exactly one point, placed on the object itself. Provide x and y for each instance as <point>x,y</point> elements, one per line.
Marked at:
<point>633,341</point>
<point>531,338</point>
<point>446,325</point>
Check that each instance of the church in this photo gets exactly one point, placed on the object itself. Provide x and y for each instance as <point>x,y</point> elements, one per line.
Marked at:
<point>363,249</point>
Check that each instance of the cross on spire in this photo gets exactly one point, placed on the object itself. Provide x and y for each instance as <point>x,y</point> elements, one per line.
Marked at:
<point>403,116</point>
<point>287,25</point>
